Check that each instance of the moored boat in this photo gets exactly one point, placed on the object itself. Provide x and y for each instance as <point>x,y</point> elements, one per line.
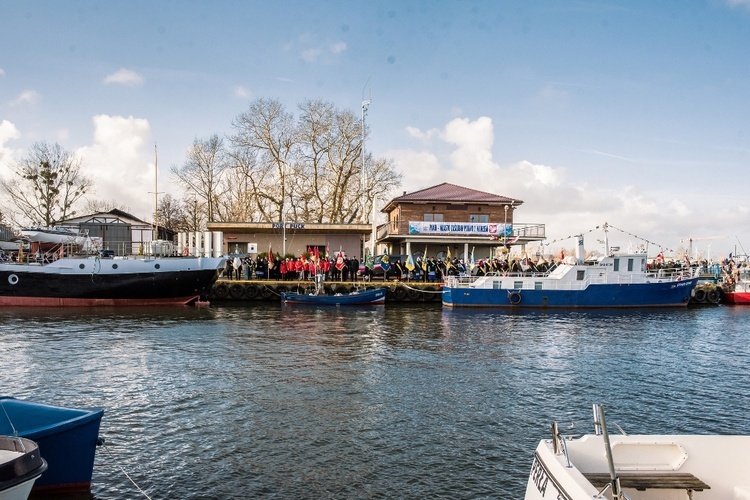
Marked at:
<point>67,439</point>
<point>95,281</point>
<point>613,280</point>
<point>737,287</point>
<point>639,466</point>
<point>21,464</point>
<point>373,296</point>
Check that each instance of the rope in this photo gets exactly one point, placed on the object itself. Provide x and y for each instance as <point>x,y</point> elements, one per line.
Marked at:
<point>606,226</point>
<point>15,432</point>
<point>123,471</point>
<point>401,283</point>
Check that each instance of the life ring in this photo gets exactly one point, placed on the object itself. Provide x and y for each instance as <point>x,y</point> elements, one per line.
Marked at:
<point>251,291</point>
<point>514,298</point>
<point>236,291</point>
<point>12,279</point>
<point>399,293</point>
<point>221,290</point>
<point>413,294</point>
<point>700,295</point>
<point>713,296</point>
<point>266,292</point>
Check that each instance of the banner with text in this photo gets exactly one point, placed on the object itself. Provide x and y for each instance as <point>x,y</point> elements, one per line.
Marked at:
<point>460,228</point>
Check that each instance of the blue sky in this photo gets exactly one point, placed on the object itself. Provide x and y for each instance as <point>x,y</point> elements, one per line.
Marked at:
<point>634,113</point>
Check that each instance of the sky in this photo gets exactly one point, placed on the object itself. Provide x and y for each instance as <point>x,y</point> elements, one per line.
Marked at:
<point>630,113</point>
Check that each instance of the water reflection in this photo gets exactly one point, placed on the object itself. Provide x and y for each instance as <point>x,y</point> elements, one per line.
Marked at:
<point>383,401</point>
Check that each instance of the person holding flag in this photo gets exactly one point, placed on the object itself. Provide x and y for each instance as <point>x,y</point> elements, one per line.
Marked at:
<point>271,263</point>
<point>340,263</point>
<point>409,264</point>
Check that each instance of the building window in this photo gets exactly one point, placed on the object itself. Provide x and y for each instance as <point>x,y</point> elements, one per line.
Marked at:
<point>433,217</point>
<point>480,218</point>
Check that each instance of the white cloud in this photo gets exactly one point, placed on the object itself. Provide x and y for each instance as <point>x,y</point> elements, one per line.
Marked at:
<point>120,163</point>
<point>557,196</point>
<point>2,72</point>
<point>241,92</point>
<point>311,55</point>
<point>312,49</point>
<point>26,97</point>
<point>124,77</point>
<point>8,132</point>
<point>338,48</point>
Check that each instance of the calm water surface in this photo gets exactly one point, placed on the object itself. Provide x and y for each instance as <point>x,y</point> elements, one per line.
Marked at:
<point>383,402</point>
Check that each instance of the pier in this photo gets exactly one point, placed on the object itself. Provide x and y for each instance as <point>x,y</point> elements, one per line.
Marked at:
<point>270,290</point>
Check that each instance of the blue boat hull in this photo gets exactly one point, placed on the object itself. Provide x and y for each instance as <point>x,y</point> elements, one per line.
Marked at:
<point>67,440</point>
<point>665,294</point>
<point>364,297</point>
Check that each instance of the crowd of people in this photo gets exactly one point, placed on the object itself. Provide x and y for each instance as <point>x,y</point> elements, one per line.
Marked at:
<point>341,268</point>
<point>300,268</point>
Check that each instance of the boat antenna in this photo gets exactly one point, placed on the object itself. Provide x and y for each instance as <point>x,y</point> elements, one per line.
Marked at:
<point>156,194</point>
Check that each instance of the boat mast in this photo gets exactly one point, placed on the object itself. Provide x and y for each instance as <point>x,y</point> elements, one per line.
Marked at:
<point>156,195</point>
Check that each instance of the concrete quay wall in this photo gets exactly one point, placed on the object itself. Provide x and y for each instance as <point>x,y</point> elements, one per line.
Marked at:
<point>270,290</point>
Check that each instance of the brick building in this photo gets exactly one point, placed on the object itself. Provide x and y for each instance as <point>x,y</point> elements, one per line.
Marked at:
<point>450,217</point>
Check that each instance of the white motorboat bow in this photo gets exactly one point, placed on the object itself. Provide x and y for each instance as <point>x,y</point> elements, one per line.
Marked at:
<point>639,467</point>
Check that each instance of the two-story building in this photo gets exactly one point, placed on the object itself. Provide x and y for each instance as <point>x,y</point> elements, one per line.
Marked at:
<point>434,220</point>
<point>453,218</point>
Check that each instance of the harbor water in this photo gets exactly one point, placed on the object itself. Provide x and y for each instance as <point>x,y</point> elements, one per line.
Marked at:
<point>265,401</point>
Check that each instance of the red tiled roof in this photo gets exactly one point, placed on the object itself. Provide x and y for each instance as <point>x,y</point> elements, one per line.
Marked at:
<point>447,192</point>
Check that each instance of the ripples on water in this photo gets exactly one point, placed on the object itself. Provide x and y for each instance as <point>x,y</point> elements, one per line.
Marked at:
<point>408,402</point>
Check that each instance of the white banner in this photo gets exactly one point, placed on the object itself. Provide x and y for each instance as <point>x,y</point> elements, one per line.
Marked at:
<point>462,228</point>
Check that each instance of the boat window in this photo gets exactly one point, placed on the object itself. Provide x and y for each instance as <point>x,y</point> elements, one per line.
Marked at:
<point>157,266</point>
<point>630,264</point>
<point>617,265</point>
<point>81,266</point>
<point>518,285</point>
<point>537,285</point>
<point>580,274</point>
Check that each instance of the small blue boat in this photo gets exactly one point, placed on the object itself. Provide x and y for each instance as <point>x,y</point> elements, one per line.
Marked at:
<point>67,439</point>
<point>373,296</point>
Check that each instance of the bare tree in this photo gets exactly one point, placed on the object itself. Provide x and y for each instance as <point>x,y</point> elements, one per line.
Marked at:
<point>47,184</point>
<point>200,175</point>
<point>195,214</point>
<point>171,214</point>
<point>308,170</point>
<point>94,205</point>
<point>266,133</point>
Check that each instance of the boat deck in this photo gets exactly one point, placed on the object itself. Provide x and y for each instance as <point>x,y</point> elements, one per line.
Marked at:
<point>651,480</point>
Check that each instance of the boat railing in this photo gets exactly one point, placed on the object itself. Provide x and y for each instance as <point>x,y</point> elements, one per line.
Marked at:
<point>527,280</point>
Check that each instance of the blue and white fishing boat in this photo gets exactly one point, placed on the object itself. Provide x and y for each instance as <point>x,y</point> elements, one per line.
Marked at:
<point>614,280</point>
<point>67,439</point>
